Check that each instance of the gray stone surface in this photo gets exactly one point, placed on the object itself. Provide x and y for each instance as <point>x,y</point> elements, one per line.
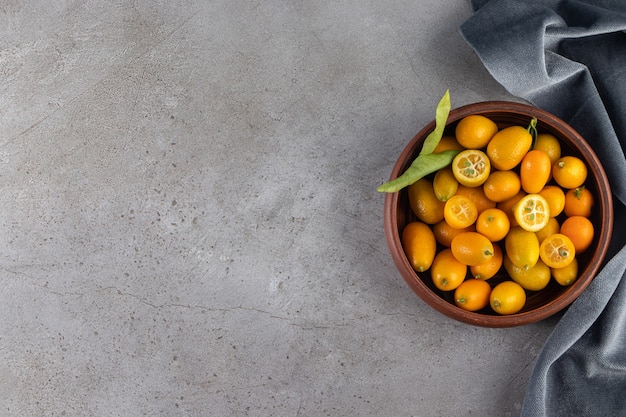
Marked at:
<point>188,216</point>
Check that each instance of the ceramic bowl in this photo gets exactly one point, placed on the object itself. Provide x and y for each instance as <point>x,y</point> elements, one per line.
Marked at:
<point>540,304</point>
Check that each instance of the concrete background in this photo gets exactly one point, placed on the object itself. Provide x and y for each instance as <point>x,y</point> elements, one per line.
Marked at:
<point>188,218</point>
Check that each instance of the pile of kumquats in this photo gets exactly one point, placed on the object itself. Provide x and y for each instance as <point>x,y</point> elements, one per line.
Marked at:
<point>508,199</point>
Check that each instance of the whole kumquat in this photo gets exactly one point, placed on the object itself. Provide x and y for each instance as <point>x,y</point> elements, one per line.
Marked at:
<point>508,297</point>
<point>424,203</point>
<point>419,245</point>
<point>446,272</point>
<point>494,224</point>
<point>472,295</point>
<point>472,248</point>
<point>522,247</point>
<point>535,170</point>
<point>507,147</point>
<point>578,202</point>
<point>569,172</point>
<point>502,185</point>
<point>580,231</point>
<point>475,131</point>
<point>445,184</point>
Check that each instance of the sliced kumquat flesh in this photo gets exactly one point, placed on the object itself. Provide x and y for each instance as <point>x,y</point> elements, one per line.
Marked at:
<point>460,212</point>
<point>532,212</point>
<point>557,251</point>
<point>471,167</point>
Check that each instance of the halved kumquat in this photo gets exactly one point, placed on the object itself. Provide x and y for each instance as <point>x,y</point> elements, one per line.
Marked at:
<point>471,167</point>
<point>557,251</point>
<point>460,212</point>
<point>532,212</point>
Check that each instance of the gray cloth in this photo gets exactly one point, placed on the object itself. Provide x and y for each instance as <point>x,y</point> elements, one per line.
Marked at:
<point>569,58</point>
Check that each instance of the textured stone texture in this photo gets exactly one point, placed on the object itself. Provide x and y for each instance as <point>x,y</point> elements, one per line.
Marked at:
<point>188,216</point>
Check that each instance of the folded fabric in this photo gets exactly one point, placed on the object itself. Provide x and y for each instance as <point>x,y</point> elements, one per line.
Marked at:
<point>569,58</point>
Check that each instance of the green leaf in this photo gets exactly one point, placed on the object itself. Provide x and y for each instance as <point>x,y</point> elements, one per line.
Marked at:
<point>426,162</point>
<point>441,116</point>
<point>421,166</point>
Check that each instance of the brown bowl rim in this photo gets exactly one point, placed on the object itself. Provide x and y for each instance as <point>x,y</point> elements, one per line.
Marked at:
<point>547,310</point>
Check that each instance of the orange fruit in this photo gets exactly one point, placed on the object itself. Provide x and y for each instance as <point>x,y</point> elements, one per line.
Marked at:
<point>471,167</point>
<point>444,233</point>
<point>508,297</point>
<point>447,143</point>
<point>567,275</point>
<point>533,279</point>
<point>471,248</point>
<point>493,223</point>
<point>578,202</point>
<point>555,197</point>
<point>522,247</point>
<point>424,203</point>
<point>477,195</point>
<point>502,185</point>
<point>472,295</point>
<point>507,206</point>
<point>557,251</point>
<point>550,145</point>
<point>460,212</point>
<point>580,231</point>
<point>446,272</point>
<point>445,184</point>
<point>535,171</point>
<point>489,268</point>
<point>532,212</point>
<point>420,246</point>
<point>569,172</point>
<point>507,147</point>
<point>475,131</point>
<point>551,228</point>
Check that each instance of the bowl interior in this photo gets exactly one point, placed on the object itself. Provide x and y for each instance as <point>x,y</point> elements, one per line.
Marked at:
<point>539,304</point>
